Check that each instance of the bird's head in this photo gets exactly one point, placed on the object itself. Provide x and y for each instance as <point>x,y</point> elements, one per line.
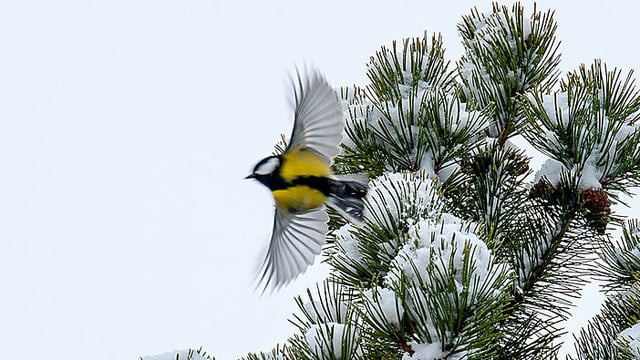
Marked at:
<point>265,169</point>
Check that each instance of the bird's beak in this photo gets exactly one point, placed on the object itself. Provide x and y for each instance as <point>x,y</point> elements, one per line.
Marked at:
<point>250,176</point>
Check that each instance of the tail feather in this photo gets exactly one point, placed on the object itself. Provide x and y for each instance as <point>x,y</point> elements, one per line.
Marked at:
<point>346,197</point>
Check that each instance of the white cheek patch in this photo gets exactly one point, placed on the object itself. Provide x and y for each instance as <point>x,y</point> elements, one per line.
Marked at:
<point>267,167</point>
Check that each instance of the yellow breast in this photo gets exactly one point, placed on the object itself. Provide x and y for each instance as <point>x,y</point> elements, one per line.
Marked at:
<point>302,163</point>
<point>299,198</point>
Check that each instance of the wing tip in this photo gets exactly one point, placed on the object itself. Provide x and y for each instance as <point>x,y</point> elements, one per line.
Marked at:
<point>304,80</point>
<point>288,257</point>
<point>318,113</point>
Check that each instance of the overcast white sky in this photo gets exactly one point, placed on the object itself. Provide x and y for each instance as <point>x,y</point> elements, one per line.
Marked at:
<point>126,128</point>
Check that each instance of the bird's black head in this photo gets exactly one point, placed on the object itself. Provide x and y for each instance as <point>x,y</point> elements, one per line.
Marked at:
<point>266,170</point>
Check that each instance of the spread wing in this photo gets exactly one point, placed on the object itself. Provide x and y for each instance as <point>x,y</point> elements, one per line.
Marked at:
<point>318,122</point>
<point>295,242</point>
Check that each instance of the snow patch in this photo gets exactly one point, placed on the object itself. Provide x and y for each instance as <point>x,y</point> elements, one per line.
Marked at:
<point>326,340</point>
<point>390,307</point>
<point>388,195</point>
<point>348,242</point>
<point>632,336</point>
<point>590,177</point>
<point>434,246</point>
<point>321,313</point>
<point>428,351</point>
<point>557,108</point>
<point>489,27</point>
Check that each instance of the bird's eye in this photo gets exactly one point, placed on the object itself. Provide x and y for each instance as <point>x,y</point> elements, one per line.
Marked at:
<point>267,166</point>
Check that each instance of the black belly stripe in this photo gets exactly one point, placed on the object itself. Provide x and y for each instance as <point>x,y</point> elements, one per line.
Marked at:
<point>315,182</point>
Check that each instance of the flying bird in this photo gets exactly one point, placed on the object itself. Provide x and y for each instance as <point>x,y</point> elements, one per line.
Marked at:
<point>301,182</point>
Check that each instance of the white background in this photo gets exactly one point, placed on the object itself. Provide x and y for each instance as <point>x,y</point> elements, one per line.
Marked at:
<point>126,128</point>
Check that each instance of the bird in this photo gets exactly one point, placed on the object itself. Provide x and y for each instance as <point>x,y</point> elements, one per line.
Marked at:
<point>302,183</point>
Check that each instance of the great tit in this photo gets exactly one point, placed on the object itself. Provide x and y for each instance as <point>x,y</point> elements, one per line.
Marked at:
<point>301,182</point>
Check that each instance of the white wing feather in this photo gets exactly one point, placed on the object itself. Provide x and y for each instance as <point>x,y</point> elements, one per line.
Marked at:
<point>318,122</point>
<point>295,242</point>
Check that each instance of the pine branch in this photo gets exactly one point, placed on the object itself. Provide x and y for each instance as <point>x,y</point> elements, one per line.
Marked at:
<point>506,54</point>
<point>602,338</point>
<point>430,285</point>
<point>285,352</point>
<point>591,126</point>
<point>395,122</point>
<point>459,256</point>
<point>394,204</point>
<point>419,65</point>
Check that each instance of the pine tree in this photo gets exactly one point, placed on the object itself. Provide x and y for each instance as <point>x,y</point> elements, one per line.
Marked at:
<point>465,252</point>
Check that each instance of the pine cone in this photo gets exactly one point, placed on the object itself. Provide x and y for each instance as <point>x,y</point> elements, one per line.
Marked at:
<point>519,164</point>
<point>541,190</point>
<point>596,208</point>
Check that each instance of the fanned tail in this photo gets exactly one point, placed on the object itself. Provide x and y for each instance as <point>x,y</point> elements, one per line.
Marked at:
<point>346,197</point>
